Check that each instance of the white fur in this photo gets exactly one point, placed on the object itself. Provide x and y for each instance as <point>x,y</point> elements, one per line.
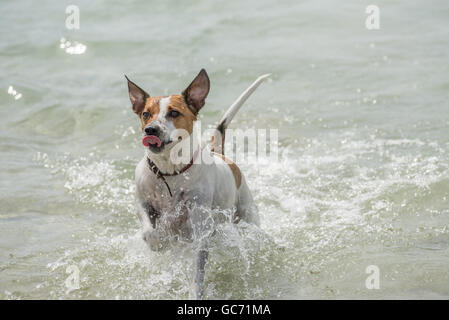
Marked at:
<point>162,160</point>
<point>197,193</point>
<point>201,188</point>
<point>163,107</point>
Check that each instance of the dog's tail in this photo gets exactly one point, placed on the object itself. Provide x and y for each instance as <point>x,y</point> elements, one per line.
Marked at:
<point>218,139</point>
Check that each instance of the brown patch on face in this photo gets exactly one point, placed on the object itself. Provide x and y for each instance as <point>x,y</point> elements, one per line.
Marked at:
<point>234,168</point>
<point>151,106</point>
<point>183,121</point>
<point>186,118</point>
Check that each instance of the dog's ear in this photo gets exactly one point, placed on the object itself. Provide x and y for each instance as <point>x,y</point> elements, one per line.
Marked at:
<point>137,96</point>
<point>196,93</point>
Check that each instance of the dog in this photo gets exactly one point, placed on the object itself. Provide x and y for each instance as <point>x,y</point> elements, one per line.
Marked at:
<point>175,199</point>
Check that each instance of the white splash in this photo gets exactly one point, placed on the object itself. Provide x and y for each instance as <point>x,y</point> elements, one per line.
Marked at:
<point>14,93</point>
<point>72,48</point>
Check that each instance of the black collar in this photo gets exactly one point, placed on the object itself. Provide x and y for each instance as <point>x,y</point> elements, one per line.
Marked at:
<point>162,175</point>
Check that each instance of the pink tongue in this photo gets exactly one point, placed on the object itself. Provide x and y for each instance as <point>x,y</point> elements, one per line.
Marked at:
<point>147,140</point>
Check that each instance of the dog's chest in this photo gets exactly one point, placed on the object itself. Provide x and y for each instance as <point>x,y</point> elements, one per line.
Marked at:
<point>154,191</point>
<point>164,194</point>
<point>197,185</point>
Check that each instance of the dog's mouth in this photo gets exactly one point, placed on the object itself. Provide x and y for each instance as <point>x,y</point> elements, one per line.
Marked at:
<point>154,143</point>
<point>148,141</point>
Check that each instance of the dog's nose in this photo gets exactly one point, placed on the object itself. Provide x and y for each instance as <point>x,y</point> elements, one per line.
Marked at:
<point>152,130</point>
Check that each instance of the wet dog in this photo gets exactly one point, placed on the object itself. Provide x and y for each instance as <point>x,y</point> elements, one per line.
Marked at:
<point>175,198</point>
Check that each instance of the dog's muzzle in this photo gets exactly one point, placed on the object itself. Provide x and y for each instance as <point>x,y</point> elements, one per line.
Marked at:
<point>152,138</point>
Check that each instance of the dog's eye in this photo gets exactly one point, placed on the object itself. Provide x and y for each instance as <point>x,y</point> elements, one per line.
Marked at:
<point>173,113</point>
<point>145,115</point>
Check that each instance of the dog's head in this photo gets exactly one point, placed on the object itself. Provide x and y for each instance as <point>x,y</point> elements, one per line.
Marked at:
<point>161,116</point>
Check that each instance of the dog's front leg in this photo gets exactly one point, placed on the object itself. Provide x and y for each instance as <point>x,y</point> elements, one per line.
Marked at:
<point>203,254</point>
<point>202,225</point>
<point>149,217</point>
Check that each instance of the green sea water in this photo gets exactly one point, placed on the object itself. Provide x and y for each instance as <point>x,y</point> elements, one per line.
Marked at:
<point>363,124</point>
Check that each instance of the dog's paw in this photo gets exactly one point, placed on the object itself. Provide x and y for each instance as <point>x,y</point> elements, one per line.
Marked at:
<point>154,240</point>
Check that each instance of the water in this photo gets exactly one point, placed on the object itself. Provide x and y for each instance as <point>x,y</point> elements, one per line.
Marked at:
<point>363,176</point>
